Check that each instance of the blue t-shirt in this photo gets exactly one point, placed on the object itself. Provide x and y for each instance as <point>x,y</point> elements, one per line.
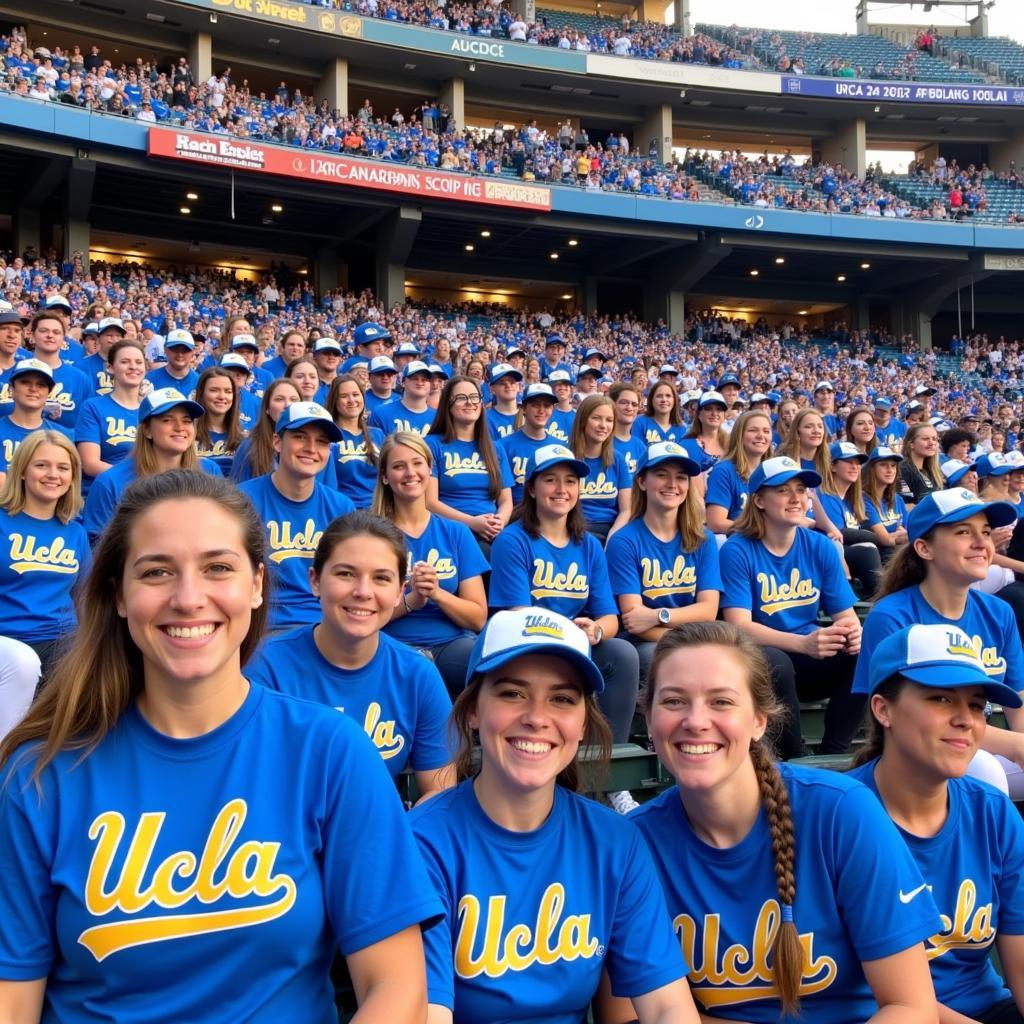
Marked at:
<point>727,489</point>
<point>704,459</point>
<point>519,448</point>
<point>71,390</point>
<point>572,580</point>
<point>501,424</point>
<point>41,560</point>
<point>11,436</point>
<point>217,451</point>
<point>560,425</point>
<point>784,592</point>
<point>599,490</point>
<point>243,881</point>
<point>161,378</point>
<point>647,428</point>
<point>463,482</point>
<point>532,918</point>
<point>851,868</point>
<point>373,401</point>
<point>838,511</point>
<point>107,488</point>
<point>974,867</point>
<point>241,467</point>
<point>356,476</point>
<point>660,572</point>
<point>95,369</point>
<point>631,451</point>
<point>891,435</point>
<point>987,620</point>
<point>398,696</point>
<point>294,529</point>
<point>248,409</point>
<point>109,424</point>
<point>394,416</point>
<point>452,550</point>
<point>891,517</point>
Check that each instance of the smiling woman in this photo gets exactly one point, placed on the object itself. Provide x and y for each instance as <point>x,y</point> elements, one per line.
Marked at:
<point>149,737</point>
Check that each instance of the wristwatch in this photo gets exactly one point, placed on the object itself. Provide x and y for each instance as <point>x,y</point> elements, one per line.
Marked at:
<point>664,616</point>
<point>599,633</point>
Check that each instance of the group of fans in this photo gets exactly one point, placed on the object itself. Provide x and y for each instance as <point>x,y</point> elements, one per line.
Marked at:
<point>488,545</point>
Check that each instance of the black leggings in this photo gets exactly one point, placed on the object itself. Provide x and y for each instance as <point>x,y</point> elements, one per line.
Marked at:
<point>864,560</point>
<point>798,677</point>
<point>1013,595</point>
<point>1004,1012</point>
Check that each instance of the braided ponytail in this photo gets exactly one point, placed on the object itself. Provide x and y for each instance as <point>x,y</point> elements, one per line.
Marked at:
<point>787,953</point>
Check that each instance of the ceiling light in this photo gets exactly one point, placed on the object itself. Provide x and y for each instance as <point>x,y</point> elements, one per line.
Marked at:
<point>554,255</point>
<point>573,241</point>
<point>485,233</point>
<point>780,259</point>
<point>841,277</point>
<point>185,209</point>
<point>277,208</point>
<point>567,296</point>
<point>865,266</point>
<point>801,312</point>
<point>754,273</point>
<point>192,195</point>
<point>470,247</point>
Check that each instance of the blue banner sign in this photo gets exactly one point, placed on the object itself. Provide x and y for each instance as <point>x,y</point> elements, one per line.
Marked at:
<point>903,92</point>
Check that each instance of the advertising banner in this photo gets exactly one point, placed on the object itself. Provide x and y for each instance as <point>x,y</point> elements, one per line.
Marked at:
<point>903,92</point>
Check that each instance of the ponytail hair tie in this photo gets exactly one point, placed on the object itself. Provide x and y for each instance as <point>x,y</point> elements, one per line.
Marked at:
<point>787,913</point>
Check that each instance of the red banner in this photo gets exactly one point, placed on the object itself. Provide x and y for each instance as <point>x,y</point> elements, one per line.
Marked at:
<point>315,165</point>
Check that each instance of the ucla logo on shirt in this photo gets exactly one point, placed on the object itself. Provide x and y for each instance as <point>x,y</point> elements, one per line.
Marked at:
<point>679,578</point>
<point>554,430</point>
<point>653,436</point>
<point>506,429</point>
<point>851,520</point>
<point>10,447</point>
<point>742,974</point>
<point>519,464</point>
<point>989,657</point>
<point>598,486</point>
<point>186,894</point>
<point>288,542</point>
<point>487,947</point>
<point>970,926</point>
<point>63,398</point>
<point>795,592</point>
<point>5,393</point>
<point>351,451</point>
<point>548,582</point>
<point>213,450</point>
<point>119,432</point>
<point>104,382</point>
<point>405,425</point>
<point>457,465</point>
<point>28,555</point>
<point>381,731</point>
<point>631,462</point>
<point>443,566</point>
<point>543,625</point>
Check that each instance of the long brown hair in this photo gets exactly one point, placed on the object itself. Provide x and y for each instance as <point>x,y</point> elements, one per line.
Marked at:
<point>370,453</point>
<point>231,418</point>
<point>145,452</point>
<point>930,466</point>
<point>260,453</point>
<point>874,745</point>
<point>734,450</point>
<point>578,440</point>
<point>675,414</point>
<point>444,427</point>
<point>690,516</point>
<point>873,443</point>
<point>905,569</point>
<point>884,496</point>
<point>597,738</point>
<point>526,514</point>
<point>791,446</point>
<point>101,672</point>
<point>787,952</point>
<point>854,499</point>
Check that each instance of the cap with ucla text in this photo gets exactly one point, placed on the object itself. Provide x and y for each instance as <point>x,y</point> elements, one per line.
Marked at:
<point>939,656</point>
<point>554,455</point>
<point>301,414</point>
<point>667,451</point>
<point>953,470</point>
<point>515,633</point>
<point>233,361</point>
<point>26,366</point>
<point>179,338</point>
<point>712,398</point>
<point>953,506</point>
<point>884,454</point>
<point>993,464</point>
<point>162,400</point>
<point>502,370</point>
<point>416,366</point>
<point>778,471</point>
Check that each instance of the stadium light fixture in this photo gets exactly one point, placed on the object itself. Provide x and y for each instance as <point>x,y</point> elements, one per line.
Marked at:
<point>573,241</point>
<point>567,295</point>
<point>755,273</point>
<point>801,312</point>
<point>865,266</point>
<point>277,208</point>
<point>841,278</point>
<point>485,233</point>
<point>780,260</point>
<point>469,247</point>
<point>554,255</point>
<point>184,209</point>
<point>192,195</point>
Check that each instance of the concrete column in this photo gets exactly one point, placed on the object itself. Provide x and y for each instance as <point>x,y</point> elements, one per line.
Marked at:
<point>589,296</point>
<point>325,269</point>
<point>200,56</point>
<point>863,28</point>
<point>80,181</point>
<point>682,19</point>
<point>922,327</point>
<point>27,231</point>
<point>76,239</point>
<point>848,146</point>
<point>656,126</point>
<point>453,96</point>
<point>668,305</point>
<point>979,24</point>
<point>1001,154</point>
<point>861,310</point>
<point>530,11</point>
<point>333,86</point>
<point>394,243</point>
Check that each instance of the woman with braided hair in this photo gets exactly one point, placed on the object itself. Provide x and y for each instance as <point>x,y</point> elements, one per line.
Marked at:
<point>792,896</point>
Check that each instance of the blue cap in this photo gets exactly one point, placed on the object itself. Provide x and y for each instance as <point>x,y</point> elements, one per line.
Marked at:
<point>667,451</point>
<point>554,455</point>
<point>993,464</point>
<point>323,345</point>
<point>840,451</point>
<point>883,403</point>
<point>162,400</point>
<point>588,371</point>
<point>300,414</point>
<point>778,471</point>
<point>416,366</point>
<point>407,348</point>
<point>57,302</point>
<point>514,633</point>
<point>382,364</point>
<point>233,361</point>
<point>953,506</point>
<point>111,323</point>
<point>501,370</point>
<point>954,471</point>
<point>179,338</point>
<point>594,352</point>
<point>369,332</point>
<point>712,398</point>
<point>247,341</point>
<point>937,655</point>
<point>514,350</point>
<point>884,454</point>
<point>559,377</point>
<point>438,371</point>
<point>774,397</point>
<point>23,367</point>
<point>728,378</point>
<point>554,339</point>
<point>538,391</point>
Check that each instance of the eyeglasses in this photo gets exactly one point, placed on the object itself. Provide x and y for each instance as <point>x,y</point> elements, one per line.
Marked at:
<point>469,401</point>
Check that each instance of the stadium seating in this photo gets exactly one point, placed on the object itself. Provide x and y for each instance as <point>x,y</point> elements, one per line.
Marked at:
<point>1000,56</point>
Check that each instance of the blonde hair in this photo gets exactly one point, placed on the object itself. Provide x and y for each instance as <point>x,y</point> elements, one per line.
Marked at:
<point>690,516</point>
<point>383,495</point>
<point>930,466</point>
<point>146,463</point>
<point>791,446</point>
<point>12,494</point>
<point>854,495</point>
<point>578,441</point>
<point>735,452</point>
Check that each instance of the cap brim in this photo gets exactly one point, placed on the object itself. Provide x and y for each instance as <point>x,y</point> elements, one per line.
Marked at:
<point>690,466</point>
<point>807,476</point>
<point>580,468</point>
<point>330,427</point>
<point>859,457</point>
<point>948,674</point>
<point>193,407</point>
<point>998,513</point>
<point>707,405</point>
<point>590,674</point>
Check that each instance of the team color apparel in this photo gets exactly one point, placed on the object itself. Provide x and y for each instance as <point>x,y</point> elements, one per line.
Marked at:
<point>571,580</point>
<point>294,529</point>
<point>974,867</point>
<point>242,877</point>
<point>661,573</point>
<point>891,517</point>
<point>161,378</point>
<point>455,555</point>
<point>987,620</point>
<point>356,475</point>
<point>560,425</point>
<point>398,696</point>
<point>891,435</point>
<point>648,428</point>
<point>501,424</point>
<point>394,416</point>
<point>41,560</point>
<point>71,391</point>
<point>853,878</point>
<point>727,489</point>
<point>106,422</point>
<point>108,487</point>
<point>95,369</point>
<point>784,592</point>
<point>532,918</point>
<point>519,448</point>
<point>462,479</point>
<point>599,489</point>
<point>217,451</point>
<point>631,450</point>
<point>706,461</point>
<point>11,436</point>
<point>241,467</point>
<point>838,511</point>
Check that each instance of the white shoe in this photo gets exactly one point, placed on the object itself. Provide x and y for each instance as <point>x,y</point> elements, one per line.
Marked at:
<point>622,800</point>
